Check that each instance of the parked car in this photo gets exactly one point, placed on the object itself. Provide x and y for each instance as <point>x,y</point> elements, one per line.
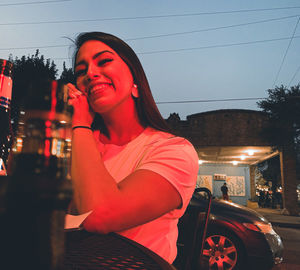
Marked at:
<point>237,237</point>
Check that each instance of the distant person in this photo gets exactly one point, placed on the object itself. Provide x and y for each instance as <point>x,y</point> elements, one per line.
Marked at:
<point>279,199</point>
<point>261,199</point>
<point>267,199</point>
<point>224,190</point>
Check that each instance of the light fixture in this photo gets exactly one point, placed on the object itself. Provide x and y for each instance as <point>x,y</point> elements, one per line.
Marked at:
<point>200,161</point>
<point>243,157</point>
<point>235,162</point>
<point>250,152</point>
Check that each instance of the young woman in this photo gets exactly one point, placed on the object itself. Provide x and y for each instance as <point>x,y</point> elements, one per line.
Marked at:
<point>134,176</point>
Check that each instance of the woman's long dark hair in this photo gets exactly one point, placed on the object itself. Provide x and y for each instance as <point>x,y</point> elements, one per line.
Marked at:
<point>148,113</point>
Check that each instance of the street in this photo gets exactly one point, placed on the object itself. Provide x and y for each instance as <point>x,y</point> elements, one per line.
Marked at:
<point>291,253</point>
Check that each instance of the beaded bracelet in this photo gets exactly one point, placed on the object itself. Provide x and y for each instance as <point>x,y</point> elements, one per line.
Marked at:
<point>87,127</point>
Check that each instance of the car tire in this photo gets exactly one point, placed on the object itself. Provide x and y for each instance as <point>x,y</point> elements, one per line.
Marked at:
<point>223,251</point>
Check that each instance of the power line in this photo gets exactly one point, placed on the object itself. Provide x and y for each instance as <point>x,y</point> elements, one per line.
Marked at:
<point>172,34</point>
<point>165,51</point>
<point>286,51</point>
<point>34,47</point>
<point>32,3</point>
<point>213,100</point>
<point>219,46</point>
<point>208,100</point>
<point>298,69</point>
<point>151,16</point>
<point>212,28</point>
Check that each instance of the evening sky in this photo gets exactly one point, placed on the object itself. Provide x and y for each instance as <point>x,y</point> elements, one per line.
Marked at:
<point>195,50</point>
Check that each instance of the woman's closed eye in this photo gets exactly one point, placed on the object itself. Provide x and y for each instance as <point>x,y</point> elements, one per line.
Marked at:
<point>104,61</point>
<point>100,63</point>
<point>79,72</point>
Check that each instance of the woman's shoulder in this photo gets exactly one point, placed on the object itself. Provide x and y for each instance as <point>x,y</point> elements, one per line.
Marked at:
<point>162,137</point>
<point>164,141</point>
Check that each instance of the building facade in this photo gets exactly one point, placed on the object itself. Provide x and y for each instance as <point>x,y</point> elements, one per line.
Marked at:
<point>230,145</point>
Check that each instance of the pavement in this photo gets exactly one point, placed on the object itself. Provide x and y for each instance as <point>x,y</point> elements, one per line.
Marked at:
<point>278,218</point>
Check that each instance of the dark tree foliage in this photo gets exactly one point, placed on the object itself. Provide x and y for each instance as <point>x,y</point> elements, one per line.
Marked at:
<point>27,72</point>
<point>283,110</point>
<point>67,75</point>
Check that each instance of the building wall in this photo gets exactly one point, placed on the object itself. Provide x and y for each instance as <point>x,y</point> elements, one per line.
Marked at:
<point>228,170</point>
<point>222,128</point>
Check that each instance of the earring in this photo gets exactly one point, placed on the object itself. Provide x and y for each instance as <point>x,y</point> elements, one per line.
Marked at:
<point>134,91</point>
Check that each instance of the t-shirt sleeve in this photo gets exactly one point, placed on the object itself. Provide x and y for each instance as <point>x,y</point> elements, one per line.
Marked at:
<point>177,161</point>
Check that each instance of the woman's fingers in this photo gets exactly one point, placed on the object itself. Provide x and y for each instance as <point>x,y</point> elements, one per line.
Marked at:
<point>82,114</point>
<point>73,92</point>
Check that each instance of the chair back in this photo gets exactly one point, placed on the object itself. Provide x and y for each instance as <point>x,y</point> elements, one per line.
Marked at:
<point>192,232</point>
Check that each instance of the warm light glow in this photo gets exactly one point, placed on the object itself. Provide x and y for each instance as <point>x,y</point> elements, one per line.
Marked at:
<point>47,148</point>
<point>54,147</point>
<point>53,99</point>
<point>48,123</point>
<point>243,157</point>
<point>200,162</point>
<point>59,149</point>
<point>250,152</point>
<point>19,144</point>
<point>234,162</point>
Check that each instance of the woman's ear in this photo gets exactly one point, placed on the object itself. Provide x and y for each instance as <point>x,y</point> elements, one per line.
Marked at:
<point>135,91</point>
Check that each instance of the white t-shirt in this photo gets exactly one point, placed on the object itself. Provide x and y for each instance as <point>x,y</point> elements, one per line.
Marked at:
<point>172,157</point>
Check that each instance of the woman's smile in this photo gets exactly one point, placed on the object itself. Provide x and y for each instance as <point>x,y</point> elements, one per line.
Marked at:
<point>100,94</point>
<point>97,89</point>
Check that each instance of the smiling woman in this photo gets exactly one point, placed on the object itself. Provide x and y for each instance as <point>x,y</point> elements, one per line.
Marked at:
<point>104,76</point>
<point>128,170</point>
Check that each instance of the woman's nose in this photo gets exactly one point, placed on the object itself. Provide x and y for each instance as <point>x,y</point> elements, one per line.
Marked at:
<point>92,72</point>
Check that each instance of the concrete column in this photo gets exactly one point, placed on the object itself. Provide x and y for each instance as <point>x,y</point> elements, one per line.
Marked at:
<point>289,181</point>
<point>252,182</point>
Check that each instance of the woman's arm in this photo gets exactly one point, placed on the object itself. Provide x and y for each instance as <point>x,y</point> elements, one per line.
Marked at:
<point>141,197</point>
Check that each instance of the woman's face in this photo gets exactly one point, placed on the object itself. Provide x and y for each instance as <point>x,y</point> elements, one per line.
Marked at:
<point>103,76</point>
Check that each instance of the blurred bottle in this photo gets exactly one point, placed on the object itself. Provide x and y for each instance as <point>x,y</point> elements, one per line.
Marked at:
<point>39,188</point>
<point>5,122</point>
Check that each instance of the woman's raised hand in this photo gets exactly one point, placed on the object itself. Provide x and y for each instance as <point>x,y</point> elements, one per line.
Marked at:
<point>83,114</point>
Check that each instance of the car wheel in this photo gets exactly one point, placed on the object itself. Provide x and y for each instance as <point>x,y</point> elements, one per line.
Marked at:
<point>223,251</point>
